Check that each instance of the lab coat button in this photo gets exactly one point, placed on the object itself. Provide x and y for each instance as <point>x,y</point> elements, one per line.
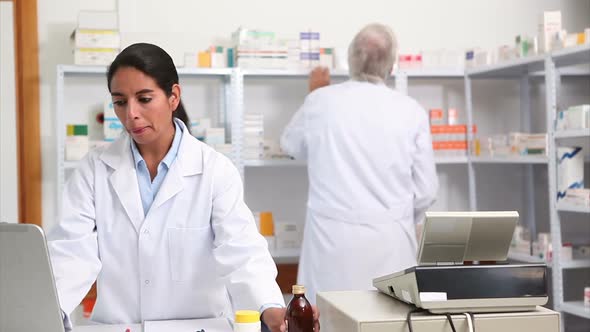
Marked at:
<point>147,282</point>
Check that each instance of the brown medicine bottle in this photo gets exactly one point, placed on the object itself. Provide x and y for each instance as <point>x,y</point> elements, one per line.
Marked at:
<point>299,313</point>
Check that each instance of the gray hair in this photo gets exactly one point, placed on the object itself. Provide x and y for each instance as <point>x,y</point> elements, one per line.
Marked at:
<point>372,53</point>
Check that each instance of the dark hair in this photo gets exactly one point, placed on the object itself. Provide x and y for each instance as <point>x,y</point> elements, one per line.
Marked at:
<point>154,62</point>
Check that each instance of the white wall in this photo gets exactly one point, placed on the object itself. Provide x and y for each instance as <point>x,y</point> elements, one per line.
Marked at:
<point>8,161</point>
<point>181,26</point>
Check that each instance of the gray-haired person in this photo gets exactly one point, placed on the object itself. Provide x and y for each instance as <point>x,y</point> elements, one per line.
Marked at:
<point>371,170</point>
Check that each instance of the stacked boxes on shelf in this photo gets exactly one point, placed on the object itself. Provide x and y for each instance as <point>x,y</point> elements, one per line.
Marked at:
<point>310,49</point>
<point>199,126</point>
<point>97,40</point>
<point>551,37</point>
<point>77,142</point>
<point>570,170</point>
<point>201,129</point>
<point>449,138</point>
<point>214,57</point>
<point>513,144</point>
<point>259,49</point>
<point>575,117</point>
<point>264,50</point>
<point>253,148</point>
<point>112,126</point>
<point>289,235</point>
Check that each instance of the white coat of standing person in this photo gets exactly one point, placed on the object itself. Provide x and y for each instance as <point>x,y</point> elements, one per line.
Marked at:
<point>371,170</point>
<point>157,218</point>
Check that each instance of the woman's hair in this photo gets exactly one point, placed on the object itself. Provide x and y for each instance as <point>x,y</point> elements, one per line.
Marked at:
<point>372,53</point>
<point>155,63</point>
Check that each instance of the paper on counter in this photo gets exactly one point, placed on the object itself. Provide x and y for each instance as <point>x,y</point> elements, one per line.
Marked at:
<point>188,325</point>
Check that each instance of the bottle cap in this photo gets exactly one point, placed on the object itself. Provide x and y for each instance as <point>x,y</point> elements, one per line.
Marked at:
<point>298,289</point>
<point>247,316</point>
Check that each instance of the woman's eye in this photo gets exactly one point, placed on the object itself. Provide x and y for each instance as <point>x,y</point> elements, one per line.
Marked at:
<point>145,100</point>
<point>119,102</point>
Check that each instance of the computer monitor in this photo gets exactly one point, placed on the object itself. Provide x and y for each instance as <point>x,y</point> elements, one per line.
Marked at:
<point>28,298</point>
<point>456,237</point>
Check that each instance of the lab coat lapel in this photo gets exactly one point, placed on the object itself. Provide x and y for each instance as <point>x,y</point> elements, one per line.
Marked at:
<point>172,185</point>
<point>189,161</point>
<point>124,179</point>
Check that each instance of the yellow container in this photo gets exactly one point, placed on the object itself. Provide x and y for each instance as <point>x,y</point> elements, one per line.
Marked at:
<point>204,59</point>
<point>247,321</point>
<point>247,316</point>
<point>267,226</point>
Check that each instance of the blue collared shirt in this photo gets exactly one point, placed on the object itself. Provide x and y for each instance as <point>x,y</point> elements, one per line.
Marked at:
<point>148,189</point>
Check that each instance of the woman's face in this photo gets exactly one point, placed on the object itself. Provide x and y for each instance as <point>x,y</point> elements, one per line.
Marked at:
<point>141,106</point>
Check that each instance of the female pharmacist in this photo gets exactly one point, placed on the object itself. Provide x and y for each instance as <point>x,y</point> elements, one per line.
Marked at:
<point>157,218</point>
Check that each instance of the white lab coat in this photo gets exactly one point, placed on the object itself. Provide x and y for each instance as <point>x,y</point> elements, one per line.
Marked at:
<point>371,178</point>
<point>196,250</point>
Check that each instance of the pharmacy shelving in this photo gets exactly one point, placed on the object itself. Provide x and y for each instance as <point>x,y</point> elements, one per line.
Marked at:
<point>522,257</point>
<point>286,256</point>
<point>515,68</point>
<point>291,162</point>
<point>510,160</point>
<point>573,133</point>
<point>571,56</point>
<point>568,207</point>
<point>566,265</point>
<point>576,308</point>
<point>273,163</point>
<point>70,164</point>
<point>552,67</point>
<point>454,160</point>
<point>554,63</point>
<point>286,73</point>
<point>576,264</point>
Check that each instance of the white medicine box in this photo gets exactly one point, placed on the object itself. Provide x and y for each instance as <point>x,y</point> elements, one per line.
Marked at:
<point>92,38</point>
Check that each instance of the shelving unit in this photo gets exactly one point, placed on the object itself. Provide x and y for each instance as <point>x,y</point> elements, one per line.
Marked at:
<point>567,207</point>
<point>574,133</point>
<point>576,308</point>
<point>527,160</point>
<point>553,62</point>
<point>552,66</point>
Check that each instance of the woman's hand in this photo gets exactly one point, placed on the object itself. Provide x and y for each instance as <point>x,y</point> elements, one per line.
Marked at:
<point>274,318</point>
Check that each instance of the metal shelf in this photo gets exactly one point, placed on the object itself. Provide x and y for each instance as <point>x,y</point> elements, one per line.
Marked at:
<point>253,72</point>
<point>450,160</point>
<point>70,164</point>
<point>458,72</point>
<point>285,256</point>
<point>510,69</point>
<point>510,160</point>
<point>292,162</point>
<point>409,72</point>
<point>568,207</point>
<point>573,133</point>
<point>522,257</point>
<point>77,69</point>
<point>273,162</point>
<point>576,264</point>
<point>571,56</point>
<point>576,308</point>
